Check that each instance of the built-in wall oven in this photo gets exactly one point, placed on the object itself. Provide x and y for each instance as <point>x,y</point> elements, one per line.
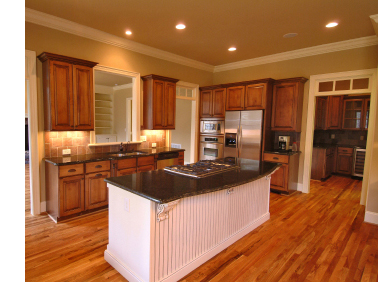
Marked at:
<point>211,147</point>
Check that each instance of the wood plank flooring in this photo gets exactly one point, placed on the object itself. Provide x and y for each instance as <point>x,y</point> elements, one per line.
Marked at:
<point>319,236</point>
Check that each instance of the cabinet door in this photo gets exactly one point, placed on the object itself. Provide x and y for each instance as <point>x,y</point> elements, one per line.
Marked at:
<point>279,178</point>
<point>284,110</point>
<point>158,104</point>
<point>61,96</point>
<point>320,112</point>
<point>96,192</point>
<point>344,164</point>
<point>206,107</point>
<point>169,105</point>
<point>145,168</point>
<point>83,97</point>
<point>218,102</point>
<point>329,165</point>
<point>353,114</point>
<point>126,171</point>
<point>255,97</point>
<point>71,195</point>
<point>235,98</point>
<point>334,109</point>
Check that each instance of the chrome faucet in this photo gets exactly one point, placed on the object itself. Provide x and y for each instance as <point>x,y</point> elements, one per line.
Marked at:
<point>121,147</point>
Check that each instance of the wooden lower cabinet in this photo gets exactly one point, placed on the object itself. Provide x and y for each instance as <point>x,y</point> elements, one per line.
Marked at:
<point>126,171</point>
<point>323,162</point>
<point>145,168</point>
<point>75,189</point>
<point>344,160</point>
<point>71,191</point>
<point>181,158</point>
<point>96,191</point>
<point>285,178</point>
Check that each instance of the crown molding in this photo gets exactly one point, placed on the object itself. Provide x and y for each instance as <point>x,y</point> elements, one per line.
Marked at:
<point>57,23</point>
<point>300,53</point>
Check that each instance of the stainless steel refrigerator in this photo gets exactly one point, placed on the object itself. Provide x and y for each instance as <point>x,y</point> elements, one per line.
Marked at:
<point>243,131</point>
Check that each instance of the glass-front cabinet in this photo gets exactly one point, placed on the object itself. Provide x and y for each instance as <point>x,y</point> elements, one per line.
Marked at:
<point>356,113</point>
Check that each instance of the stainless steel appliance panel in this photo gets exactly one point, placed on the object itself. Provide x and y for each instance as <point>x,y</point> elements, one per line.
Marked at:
<point>231,128</point>
<point>212,126</point>
<point>211,147</point>
<point>358,161</point>
<point>250,134</point>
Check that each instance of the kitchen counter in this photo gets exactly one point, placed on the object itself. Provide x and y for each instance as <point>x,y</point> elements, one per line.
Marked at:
<point>283,152</point>
<point>163,187</point>
<point>75,159</point>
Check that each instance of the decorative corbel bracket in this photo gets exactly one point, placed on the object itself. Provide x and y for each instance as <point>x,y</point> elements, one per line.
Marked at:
<point>163,210</point>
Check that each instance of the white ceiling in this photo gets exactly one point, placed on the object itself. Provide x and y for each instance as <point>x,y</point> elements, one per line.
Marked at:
<point>255,28</point>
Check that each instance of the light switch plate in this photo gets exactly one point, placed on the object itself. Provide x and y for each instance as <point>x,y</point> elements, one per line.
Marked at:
<point>66,152</point>
<point>153,145</point>
<point>332,136</point>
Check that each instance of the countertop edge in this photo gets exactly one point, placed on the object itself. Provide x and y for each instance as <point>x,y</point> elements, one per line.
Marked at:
<point>159,201</point>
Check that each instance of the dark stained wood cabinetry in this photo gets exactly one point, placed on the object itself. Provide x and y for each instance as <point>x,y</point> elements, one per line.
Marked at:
<point>356,113</point>
<point>323,160</point>
<point>344,160</point>
<point>320,112</point>
<point>68,93</point>
<point>284,179</point>
<point>212,103</point>
<point>159,102</point>
<point>334,112</point>
<point>235,98</point>
<point>71,191</point>
<point>288,104</point>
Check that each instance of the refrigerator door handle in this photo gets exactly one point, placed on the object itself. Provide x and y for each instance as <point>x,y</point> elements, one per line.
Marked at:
<point>237,141</point>
<point>240,140</point>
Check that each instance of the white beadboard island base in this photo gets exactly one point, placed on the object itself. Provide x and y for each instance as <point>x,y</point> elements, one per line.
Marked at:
<point>144,248</point>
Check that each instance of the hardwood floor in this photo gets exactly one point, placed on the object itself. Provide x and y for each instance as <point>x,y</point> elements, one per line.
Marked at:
<point>319,236</point>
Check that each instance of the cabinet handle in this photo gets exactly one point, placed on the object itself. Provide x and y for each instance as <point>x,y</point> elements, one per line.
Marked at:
<point>98,175</point>
<point>275,158</point>
<point>72,170</point>
<point>98,166</point>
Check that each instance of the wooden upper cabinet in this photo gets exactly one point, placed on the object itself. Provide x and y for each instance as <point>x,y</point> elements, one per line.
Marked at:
<point>212,103</point>
<point>334,112</point>
<point>287,104</point>
<point>235,98</point>
<point>68,93</point>
<point>255,97</point>
<point>159,102</point>
<point>321,112</point>
<point>356,113</point>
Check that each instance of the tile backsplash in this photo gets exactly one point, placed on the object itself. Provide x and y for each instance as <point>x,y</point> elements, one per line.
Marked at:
<point>342,137</point>
<point>78,141</point>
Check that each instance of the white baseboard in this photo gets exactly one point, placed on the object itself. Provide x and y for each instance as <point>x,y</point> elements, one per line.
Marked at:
<point>300,187</point>
<point>371,217</point>
<point>132,277</point>
<point>43,206</point>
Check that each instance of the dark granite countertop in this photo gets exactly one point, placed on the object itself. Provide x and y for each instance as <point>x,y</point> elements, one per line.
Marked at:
<point>75,159</point>
<point>283,152</point>
<point>161,186</point>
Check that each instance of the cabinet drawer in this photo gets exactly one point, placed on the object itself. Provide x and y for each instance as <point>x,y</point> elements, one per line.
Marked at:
<point>68,170</point>
<point>146,161</point>
<point>126,163</point>
<point>145,168</point>
<point>276,158</point>
<point>97,166</point>
<point>345,151</point>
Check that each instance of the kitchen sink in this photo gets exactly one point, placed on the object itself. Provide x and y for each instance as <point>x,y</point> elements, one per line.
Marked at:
<point>124,154</point>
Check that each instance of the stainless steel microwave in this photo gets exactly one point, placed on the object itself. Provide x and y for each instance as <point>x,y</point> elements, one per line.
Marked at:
<point>212,126</point>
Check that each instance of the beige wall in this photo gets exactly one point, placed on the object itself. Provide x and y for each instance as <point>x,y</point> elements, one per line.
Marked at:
<point>119,110</point>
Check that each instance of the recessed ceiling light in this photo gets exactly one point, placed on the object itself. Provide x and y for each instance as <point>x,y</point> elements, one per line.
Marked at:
<point>290,35</point>
<point>332,24</point>
<point>128,32</point>
<point>231,49</point>
<point>180,26</point>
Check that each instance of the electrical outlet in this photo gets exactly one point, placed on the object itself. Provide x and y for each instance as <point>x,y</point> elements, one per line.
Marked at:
<point>66,152</point>
<point>153,145</point>
<point>143,138</point>
<point>127,204</point>
<point>332,136</point>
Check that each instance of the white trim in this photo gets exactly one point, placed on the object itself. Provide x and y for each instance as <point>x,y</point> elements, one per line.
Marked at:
<point>136,102</point>
<point>194,118</point>
<point>371,217</point>
<point>31,77</point>
<point>314,80</point>
<point>123,86</point>
<point>300,53</point>
<point>57,23</point>
<point>374,18</point>
<point>43,206</point>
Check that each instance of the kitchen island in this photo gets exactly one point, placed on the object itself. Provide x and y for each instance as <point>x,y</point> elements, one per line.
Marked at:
<point>162,225</point>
